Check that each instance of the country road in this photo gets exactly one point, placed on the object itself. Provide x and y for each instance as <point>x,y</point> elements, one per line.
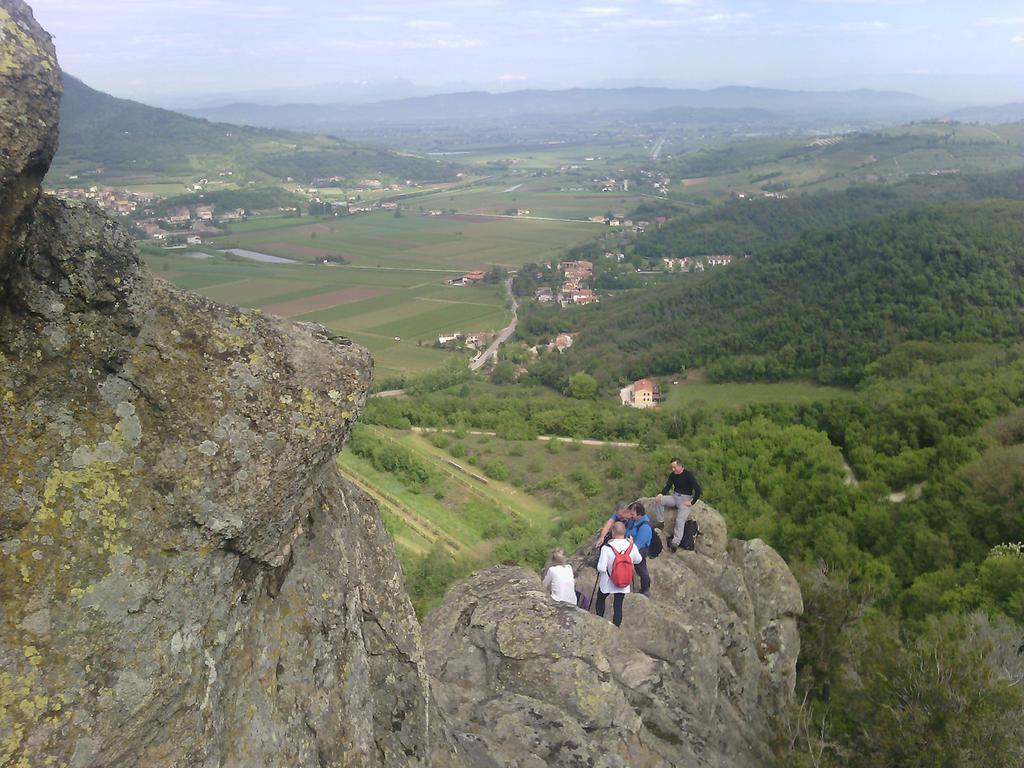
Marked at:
<point>477,362</point>
<point>502,337</point>
<point>548,438</point>
<point>656,152</point>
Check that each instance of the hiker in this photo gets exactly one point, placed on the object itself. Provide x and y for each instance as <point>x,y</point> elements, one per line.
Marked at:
<point>641,531</point>
<point>615,571</point>
<point>685,492</point>
<point>621,514</point>
<point>559,579</point>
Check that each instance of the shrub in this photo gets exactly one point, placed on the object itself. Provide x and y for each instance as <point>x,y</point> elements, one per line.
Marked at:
<point>496,470</point>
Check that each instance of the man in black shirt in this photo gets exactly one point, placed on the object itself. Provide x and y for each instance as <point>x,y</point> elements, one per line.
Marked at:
<point>685,491</point>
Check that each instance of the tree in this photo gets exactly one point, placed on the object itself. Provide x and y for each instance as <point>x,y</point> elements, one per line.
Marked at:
<point>504,373</point>
<point>931,700</point>
<point>582,386</point>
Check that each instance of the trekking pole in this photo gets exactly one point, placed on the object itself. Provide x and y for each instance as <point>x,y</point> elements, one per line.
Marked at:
<point>593,592</point>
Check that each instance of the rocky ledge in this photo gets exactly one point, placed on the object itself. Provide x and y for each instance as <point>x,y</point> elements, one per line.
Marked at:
<point>691,679</point>
<point>187,581</point>
<point>185,578</point>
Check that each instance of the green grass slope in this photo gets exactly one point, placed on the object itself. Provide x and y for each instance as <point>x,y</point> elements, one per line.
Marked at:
<point>126,138</point>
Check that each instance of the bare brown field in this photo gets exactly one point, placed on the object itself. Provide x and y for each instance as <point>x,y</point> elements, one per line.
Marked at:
<point>322,301</point>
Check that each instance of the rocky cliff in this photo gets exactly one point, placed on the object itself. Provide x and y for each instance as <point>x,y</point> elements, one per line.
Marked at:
<point>185,578</point>
<point>187,581</point>
<point>691,678</point>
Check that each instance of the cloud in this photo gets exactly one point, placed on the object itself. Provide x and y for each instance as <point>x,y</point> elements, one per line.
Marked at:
<point>1001,21</point>
<point>865,2</point>
<point>438,42</point>
<point>599,10</point>
<point>863,26</point>
<point>722,19</point>
<point>429,24</point>
<point>1017,39</point>
<point>636,23</point>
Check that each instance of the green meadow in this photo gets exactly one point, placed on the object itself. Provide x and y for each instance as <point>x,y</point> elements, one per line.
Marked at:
<point>395,313</point>
<point>695,392</point>
<point>380,239</point>
<point>391,294</point>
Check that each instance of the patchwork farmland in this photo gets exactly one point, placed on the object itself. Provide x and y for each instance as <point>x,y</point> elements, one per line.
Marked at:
<point>392,294</point>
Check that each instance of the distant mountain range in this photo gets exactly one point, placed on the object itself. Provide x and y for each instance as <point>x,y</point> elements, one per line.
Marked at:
<point>996,115</point>
<point>126,138</point>
<point>479,105</point>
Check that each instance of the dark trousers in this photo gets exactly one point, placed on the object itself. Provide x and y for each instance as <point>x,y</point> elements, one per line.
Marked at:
<point>616,606</point>
<point>645,577</point>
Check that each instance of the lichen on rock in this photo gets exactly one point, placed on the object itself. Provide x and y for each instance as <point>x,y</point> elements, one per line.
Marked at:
<point>185,578</point>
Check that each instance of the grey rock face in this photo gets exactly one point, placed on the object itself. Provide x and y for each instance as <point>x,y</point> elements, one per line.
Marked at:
<point>185,578</point>
<point>690,679</point>
<point>29,99</point>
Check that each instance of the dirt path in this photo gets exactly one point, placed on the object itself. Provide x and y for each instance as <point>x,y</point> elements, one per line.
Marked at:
<point>559,438</point>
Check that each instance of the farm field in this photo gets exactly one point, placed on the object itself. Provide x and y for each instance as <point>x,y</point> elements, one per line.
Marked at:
<point>391,295</point>
<point>371,306</point>
<point>570,196</point>
<point>595,156</point>
<point>698,392</point>
<point>447,242</point>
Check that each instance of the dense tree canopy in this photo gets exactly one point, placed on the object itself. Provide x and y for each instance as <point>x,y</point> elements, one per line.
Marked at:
<point>825,306</point>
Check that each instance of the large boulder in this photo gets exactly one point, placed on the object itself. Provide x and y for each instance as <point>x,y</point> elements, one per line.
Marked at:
<point>29,100</point>
<point>185,578</point>
<point>692,678</point>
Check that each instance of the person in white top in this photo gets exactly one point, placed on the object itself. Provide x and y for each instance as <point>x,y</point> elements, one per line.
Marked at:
<point>559,579</point>
<point>618,543</point>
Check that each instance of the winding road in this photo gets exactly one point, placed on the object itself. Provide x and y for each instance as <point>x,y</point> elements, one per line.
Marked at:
<point>505,334</point>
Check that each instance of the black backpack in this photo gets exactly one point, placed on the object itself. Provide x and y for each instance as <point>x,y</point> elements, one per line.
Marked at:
<point>656,547</point>
<point>690,534</point>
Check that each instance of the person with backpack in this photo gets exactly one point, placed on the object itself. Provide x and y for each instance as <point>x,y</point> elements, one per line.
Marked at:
<point>621,514</point>
<point>615,571</point>
<point>639,528</point>
<point>685,493</point>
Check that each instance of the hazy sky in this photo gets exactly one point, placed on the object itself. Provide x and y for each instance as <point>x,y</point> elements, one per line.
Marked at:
<point>160,49</point>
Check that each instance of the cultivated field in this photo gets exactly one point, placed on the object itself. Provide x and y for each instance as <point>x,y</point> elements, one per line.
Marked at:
<point>371,306</point>
<point>696,392</point>
<point>453,243</point>
<point>562,196</point>
<point>391,295</point>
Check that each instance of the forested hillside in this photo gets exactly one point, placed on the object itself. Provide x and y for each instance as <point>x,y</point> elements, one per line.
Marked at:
<point>755,225</point>
<point>825,306</point>
<point>128,138</point>
<point>913,585</point>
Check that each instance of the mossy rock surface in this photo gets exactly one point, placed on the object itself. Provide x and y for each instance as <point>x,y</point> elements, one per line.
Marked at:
<point>185,578</point>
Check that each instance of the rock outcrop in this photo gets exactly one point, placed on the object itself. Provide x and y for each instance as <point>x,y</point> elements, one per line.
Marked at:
<point>691,679</point>
<point>185,578</point>
<point>186,581</point>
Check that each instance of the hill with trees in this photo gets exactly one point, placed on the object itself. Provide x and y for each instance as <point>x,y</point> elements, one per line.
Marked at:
<point>126,138</point>
<point>824,307</point>
<point>754,225</point>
